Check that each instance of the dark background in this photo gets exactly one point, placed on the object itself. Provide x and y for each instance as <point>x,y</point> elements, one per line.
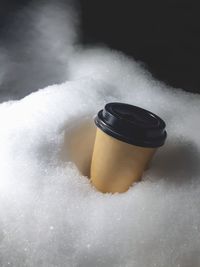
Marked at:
<point>162,34</point>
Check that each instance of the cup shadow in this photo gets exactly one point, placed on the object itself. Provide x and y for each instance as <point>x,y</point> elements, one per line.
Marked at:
<point>78,142</point>
<point>177,162</point>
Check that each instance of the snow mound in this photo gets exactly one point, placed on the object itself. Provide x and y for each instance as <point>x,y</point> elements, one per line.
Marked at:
<point>50,215</point>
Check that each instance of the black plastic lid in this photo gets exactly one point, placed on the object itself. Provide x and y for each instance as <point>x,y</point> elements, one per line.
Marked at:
<point>131,124</point>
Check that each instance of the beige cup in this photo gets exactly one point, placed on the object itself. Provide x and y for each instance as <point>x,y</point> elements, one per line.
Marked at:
<point>116,164</point>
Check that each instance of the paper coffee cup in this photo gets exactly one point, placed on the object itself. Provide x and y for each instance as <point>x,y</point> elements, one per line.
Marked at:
<point>126,139</point>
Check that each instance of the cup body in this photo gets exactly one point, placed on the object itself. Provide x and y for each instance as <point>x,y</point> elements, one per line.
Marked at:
<point>116,165</point>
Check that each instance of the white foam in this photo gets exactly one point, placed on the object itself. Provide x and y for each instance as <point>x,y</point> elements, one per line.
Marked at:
<point>35,46</point>
<point>50,215</point>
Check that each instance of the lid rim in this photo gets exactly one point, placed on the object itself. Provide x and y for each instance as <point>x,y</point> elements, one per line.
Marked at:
<point>136,142</point>
<point>139,133</point>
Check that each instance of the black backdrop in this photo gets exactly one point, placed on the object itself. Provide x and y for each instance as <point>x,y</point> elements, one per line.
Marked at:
<point>162,34</point>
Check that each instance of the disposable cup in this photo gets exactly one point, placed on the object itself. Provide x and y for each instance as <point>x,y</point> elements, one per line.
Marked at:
<point>127,137</point>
